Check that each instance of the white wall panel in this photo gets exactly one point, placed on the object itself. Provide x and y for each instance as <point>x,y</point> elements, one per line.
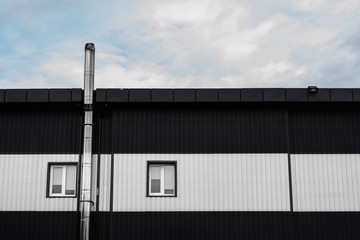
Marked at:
<point>94,169</point>
<point>206,182</point>
<point>23,183</point>
<point>104,188</point>
<point>326,182</point>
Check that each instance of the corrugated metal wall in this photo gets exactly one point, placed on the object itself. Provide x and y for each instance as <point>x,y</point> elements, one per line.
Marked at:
<point>40,129</point>
<point>326,225</point>
<point>326,128</point>
<point>94,173</point>
<point>226,225</point>
<point>105,182</point>
<point>326,182</point>
<point>20,225</point>
<point>192,225</point>
<point>23,183</point>
<point>206,182</point>
<point>194,128</point>
<point>31,136</point>
<point>232,169</point>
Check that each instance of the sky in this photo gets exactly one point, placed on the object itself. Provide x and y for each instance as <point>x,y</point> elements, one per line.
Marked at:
<point>181,43</point>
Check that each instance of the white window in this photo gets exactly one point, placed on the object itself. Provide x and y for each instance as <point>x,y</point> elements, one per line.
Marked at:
<point>62,180</point>
<point>162,179</point>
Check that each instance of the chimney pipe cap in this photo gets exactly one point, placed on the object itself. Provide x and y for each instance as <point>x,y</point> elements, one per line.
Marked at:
<point>90,46</point>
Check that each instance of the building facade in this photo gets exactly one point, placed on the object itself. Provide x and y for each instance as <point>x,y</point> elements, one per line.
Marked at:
<point>183,164</point>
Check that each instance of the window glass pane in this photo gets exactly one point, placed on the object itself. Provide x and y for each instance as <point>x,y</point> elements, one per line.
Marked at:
<point>57,180</point>
<point>155,172</point>
<point>169,179</point>
<point>155,179</point>
<point>70,180</point>
<point>155,185</point>
<point>169,191</point>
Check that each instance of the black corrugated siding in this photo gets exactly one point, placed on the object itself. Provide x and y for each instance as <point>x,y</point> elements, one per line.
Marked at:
<point>39,225</point>
<point>327,225</point>
<point>324,128</point>
<point>184,128</point>
<point>195,128</point>
<point>191,225</point>
<point>51,128</point>
<point>226,225</point>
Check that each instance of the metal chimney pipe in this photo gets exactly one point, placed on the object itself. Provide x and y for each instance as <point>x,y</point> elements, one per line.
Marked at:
<point>86,166</point>
<point>89,73</point>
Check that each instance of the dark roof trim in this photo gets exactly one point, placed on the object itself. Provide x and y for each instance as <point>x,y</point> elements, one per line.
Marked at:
<point>228,95</point>
<point>113,95</point>
<point>40,95</point>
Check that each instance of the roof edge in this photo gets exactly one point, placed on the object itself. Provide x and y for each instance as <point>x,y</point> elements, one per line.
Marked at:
<point>118,95</point>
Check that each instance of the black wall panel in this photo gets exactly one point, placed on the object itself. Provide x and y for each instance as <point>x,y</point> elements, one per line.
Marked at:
<point>191,225</point>
<point>183,128</point>
<point>327,225</point>
<point>39,225</point>
<point>102,132</point>
<point>325,128</point>
<point>38,129</point>
<point>226,225</point>
<point>196,128</point>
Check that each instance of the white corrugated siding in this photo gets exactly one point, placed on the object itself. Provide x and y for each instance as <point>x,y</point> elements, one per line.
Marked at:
<point>206,182</point>
<point>104,189</point>
<point>326,182</point>
<point>94,180</point>
<point>23,183</point>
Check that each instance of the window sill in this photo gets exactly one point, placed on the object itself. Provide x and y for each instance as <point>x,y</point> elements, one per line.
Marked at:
<point>159,196</point>
<point>61,196</point>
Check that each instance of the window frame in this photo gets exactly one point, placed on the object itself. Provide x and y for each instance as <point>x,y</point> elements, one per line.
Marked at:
<point>148,182</point>
<point>49,180</point>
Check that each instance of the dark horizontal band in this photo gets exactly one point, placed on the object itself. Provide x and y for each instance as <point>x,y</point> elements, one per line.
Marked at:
<point>226,225</point>
<point>184,95</point>
<point>35,130</point>
<point>41,95</point>
<point>228,95</point>
<point>183,225</point>
<point>230,128</point>
<point>39,225</point>
<point>183,128</point>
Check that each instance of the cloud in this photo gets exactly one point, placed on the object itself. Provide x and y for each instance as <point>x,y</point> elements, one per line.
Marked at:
<point>182,43</point>
<point>326,6</point>
<point>67,71</point>
<point>137,76</point>
<point>185,12</point>
<point>35,81</point>
<point>216,29</point>
<point>231,44</point>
